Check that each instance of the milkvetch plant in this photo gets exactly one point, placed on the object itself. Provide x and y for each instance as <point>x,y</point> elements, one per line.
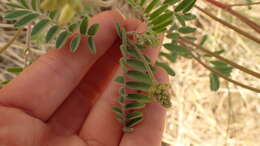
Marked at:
<point>163,18</point>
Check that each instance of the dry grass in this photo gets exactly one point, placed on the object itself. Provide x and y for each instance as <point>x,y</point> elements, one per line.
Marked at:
<point>200,117</point>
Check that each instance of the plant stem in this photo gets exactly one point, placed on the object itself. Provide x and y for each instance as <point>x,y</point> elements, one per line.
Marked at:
<point>27,50</point>
<point>244,33</point>
<point>2,49</point>
<point>246,4</point>
<point>147,67</point>
<point>216,72</point>
<point>227,8</point>
<point>124,54</point>
<point>253,73</point>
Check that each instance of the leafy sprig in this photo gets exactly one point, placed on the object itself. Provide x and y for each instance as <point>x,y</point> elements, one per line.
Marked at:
<point>138,75</point>
<point>29,13</point>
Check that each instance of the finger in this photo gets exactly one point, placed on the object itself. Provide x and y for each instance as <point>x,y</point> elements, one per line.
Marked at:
<point>100,126</point>
<point>45,84</point>
<point>149,132</point>
<point>68,119</point>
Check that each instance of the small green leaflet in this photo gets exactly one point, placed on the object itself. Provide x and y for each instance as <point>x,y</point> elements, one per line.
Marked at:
<point>140,76</point>
<point>158,12</point>
<point>214,82</point>
<point>117,110</point>
<point>34,4</point>
<point>51,33</point>
<point>222,67</point>
<point>142,2</point>
<point>134,105</point>
<point>74,45</point>
<point>4,82</point>
<point>189,16</point>
<point>120,79</point>
<point>132,52</point>
<point>40,26</point>
<point>121,99</point>
<point>123,64</point>
<point>134,122</point>
<point>173,36</point>
<point>122,91</point>
<point>162,26</point>
<point>138,97</point>
<point>218,63</point>
<point>93,29</point>
<point>84,26</point>
<point>225,70</point>
<point>135,63</point>
<point>185,5</point>
<point>203,40</point>
<point>190,38</point>
<point>52,14</point>
<point>62,38</point>
<point>181,19</point>
<point>151,6</point>
<point>16,13</point>
<point>177,50</point>
<point>161,18</point>
<point>73,26</point>
<point>119,30</point>
<point>186,30</point>
<point>15,70</point>
<point>24,3</point>
<point>91,45</point>
<point>189,7</point>
<point>170,2</point>
<point>138,86</point>
<point>134,115</point>
<point>25,20</point>
<point>172,57</point>
<point>166,67</point>
<point>14,5</point>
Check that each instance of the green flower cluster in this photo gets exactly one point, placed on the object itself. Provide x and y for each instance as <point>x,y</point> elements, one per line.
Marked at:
<point>160,92</point>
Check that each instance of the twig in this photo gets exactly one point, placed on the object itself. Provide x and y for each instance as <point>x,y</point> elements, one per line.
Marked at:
<point>244,69</point>
<point>216,72</point>
<point>27,50</point>
<point>226,7</point>
<point>244,33</point>
<point>245,4</point>
<point>2,49</point>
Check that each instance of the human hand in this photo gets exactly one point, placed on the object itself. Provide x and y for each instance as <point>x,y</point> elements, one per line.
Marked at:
<point>65,99</point>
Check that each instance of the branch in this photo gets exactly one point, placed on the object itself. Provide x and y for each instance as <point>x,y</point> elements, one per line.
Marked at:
<point>246,4</point>
<point>244,33</point>
<point>2,49</point>
<point>253,73</point>
<point>227,8</point>
<point>217,73</point>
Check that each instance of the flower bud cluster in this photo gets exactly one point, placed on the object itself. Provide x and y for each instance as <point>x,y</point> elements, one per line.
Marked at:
<point>160,92</point>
